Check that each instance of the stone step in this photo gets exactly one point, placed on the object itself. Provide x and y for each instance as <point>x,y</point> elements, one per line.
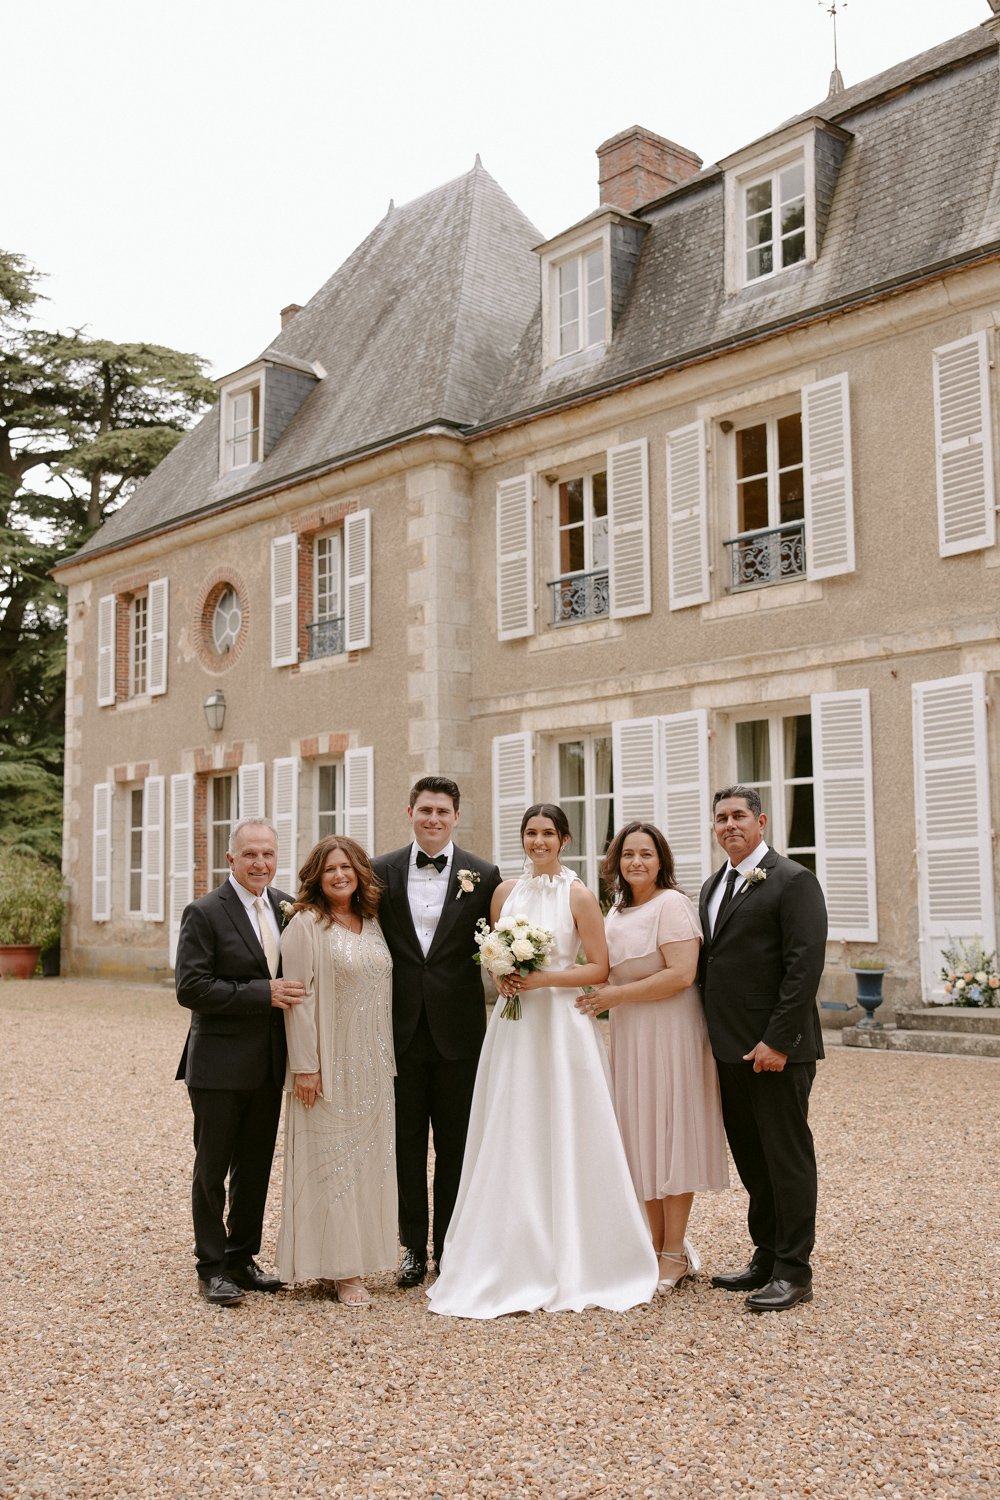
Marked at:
<point>950,1018</point>
<point>890,1038</point>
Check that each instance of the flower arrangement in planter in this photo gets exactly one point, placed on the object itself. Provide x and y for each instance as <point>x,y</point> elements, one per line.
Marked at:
<point>970,975</point>
<point>31,910</point>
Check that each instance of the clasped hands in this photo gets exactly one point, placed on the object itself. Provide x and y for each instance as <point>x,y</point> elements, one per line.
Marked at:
<point>593,1001</point>
<point>286,992</point>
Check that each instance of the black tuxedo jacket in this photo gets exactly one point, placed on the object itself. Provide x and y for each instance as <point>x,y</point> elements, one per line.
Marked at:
<point>236,1037</point>
<point>447,984</point>
<point>760,970</point>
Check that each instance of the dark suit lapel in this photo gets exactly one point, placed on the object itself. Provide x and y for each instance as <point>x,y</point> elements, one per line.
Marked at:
<point>450,910</point>
<point>740,895</point>
<point>396,872</point>
<point>237,914</point>
<point>706,900</point>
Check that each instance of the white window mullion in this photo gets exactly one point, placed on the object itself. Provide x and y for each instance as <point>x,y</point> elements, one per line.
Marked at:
<point>251,791</point>
<point>152,848</point>
<point>828,478</point>
<point>100,888</point>
<point>181,853</point>
<point>285,817</point>
<point>157,622</point>
<point>515,554</point>
<point>845,832</point>
<point>359,796</point>
<point>106,609</point>
<point>963,446</point>
<point>628,529</point>
<point>687,516</point>
<point>358,581</point>
<point>284,600</point>
<point>683,809</point>
<point>954,837</point>
<point>513,783</point>
<point>637,771</point>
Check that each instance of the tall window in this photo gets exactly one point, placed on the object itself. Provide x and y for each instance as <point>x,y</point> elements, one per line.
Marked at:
<point>586,797</point>
<point>138,656</point>
<point>329,799</point>
<point>775,221</point>
<point>241,415</point>
<point>326,631</point>
<point>222,813</point>
<point>581,590</point>
<point>582,300</point>
<point>770,498</point>
<point>774,755</point>
<point>133,897</point>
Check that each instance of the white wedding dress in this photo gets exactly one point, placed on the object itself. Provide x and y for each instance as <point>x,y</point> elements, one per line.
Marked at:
<point>546,1215</point>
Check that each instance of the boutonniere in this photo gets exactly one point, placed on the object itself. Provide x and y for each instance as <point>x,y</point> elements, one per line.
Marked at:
<point>467,882</point>
<point>287,910</point>
<point>756,876</point>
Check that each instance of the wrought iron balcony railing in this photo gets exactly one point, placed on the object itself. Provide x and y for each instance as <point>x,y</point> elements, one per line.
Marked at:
<point>581,596</point>
<point>326,638</point>
<point>767,556</point>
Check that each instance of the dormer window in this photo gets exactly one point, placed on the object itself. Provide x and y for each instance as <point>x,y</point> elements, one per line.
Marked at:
<point>582,301</point>
<point>586,272</point>
<point>774,210</point>
<point>241,429</point>
<point>258,403</point>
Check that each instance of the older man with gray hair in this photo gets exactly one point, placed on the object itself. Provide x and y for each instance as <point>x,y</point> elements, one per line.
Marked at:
<point>228,974</point>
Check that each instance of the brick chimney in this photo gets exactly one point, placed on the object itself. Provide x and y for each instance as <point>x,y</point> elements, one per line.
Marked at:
<point>288,313</point>
<point>637,166</point>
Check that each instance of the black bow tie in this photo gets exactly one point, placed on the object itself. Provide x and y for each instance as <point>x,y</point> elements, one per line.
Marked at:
<point>437,860</point>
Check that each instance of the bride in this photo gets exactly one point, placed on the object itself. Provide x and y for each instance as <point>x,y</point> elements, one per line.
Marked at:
<point>546,1215</point>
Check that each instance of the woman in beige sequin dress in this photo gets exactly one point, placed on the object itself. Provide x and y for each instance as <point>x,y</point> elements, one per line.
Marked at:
<point>665,1084</point>
<point>339,1199</point>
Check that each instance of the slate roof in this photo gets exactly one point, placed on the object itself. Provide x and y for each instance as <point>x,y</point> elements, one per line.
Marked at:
<point>435,318</point>
<point>917,188</point>
<point>415,329</point>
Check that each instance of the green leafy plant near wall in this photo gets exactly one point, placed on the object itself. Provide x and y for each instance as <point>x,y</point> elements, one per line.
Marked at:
<point>31,900</point>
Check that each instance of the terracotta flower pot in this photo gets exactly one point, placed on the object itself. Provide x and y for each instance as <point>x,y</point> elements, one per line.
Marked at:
<point>18,960</point>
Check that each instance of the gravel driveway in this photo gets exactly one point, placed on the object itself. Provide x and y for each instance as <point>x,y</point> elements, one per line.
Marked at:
<point>117,1380</point>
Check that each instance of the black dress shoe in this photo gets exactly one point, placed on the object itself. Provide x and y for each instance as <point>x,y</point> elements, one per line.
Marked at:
<point>757,1274</point>
<point>778,1295</point>
<point>220,1290</point>
<point>413,1270</point>
<point>252,1279</point>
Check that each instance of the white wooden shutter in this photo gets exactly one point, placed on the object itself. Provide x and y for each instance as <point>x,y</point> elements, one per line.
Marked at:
<point>828,478</point>
<point>285,817</point>
<point>100,883</point>
<point>106,650</point>
<point>683,814</point>
<point>251,791</point>
<point>181,853</point>
<point>358,580</point>
<point>954,838</point>
<point>515,559</point>
<point>687,516</point>
<point>359,796</point>
<point>845,829</point>
<point>158,619</point>
<point>513,781</point>
<point>636,769</point>
<point>284,600</point>
<point>152,848</point>
<point>628,529</point>
<point>963,446</point>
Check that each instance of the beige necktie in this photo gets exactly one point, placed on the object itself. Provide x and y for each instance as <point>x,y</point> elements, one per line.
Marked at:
<point>267,942</point>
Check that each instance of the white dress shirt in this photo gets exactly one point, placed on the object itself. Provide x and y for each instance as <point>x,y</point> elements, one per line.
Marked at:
<point>426,891</point>
<point>248,898</point>
<point>744,867</point>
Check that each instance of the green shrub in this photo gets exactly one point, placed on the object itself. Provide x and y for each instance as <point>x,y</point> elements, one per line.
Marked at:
<point>31,900</point>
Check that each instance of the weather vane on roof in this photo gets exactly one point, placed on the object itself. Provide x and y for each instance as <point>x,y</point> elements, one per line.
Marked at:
<point>836,78</point>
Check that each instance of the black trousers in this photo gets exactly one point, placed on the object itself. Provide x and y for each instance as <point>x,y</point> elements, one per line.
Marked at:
<point>767,1125</point>
<point>234,1135</point>
<point>433,1094</point>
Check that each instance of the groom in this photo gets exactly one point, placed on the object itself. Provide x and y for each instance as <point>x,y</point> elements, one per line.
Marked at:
<point>764,921</point>
<point>434,893</point>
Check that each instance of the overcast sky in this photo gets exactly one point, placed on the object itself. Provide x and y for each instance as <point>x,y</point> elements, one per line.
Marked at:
<point>180,170</point>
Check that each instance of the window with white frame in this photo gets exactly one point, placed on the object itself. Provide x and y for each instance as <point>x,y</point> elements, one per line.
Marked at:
<point>586,795</point>
<point>769,502</point>
<point>133,843</point>
<point>774,220</point>
<point>329,799</point>
<point>241,427</point>
<point>138,641</point>
<point>326,630</point>
<point>775,756</point>
<point>221,817</point>
<point>581,590</point>
<point>581,301</point>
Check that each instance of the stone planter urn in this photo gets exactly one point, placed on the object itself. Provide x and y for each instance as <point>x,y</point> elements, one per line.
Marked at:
<point>18,960</point>
<point>868,988</point>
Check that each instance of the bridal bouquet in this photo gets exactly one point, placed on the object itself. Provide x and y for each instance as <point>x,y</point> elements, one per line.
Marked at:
<point>514,947</point>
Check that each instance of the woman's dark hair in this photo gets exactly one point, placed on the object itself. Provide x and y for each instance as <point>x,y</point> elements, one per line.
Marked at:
<point>555,815</point>
<point>364,899</point>
<point>611,867</point>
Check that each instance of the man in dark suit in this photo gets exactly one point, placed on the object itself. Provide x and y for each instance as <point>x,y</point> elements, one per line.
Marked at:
<point>227,974</point>
<point>434,893</point>
<point>764,922</point>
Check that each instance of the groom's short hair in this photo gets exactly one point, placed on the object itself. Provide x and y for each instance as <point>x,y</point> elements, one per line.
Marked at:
<point>750,796</point>
<point>440,784</point>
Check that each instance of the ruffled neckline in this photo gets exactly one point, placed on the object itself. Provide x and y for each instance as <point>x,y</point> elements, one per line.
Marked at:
<point>546,882</point>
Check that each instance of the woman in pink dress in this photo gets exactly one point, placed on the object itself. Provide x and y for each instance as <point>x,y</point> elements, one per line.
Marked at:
<point>666,1088</point>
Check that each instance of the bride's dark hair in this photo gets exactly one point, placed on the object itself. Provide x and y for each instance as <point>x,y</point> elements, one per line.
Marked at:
<point>555,815</point>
